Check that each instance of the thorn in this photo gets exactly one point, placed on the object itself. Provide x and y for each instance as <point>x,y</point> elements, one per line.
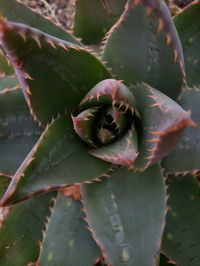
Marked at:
<point>63,46</point>
<point>75,48</point>
<point>156,132</point>
<point>37,40</point>
<point>181,63</point>
<point>175,55</point>
<point>51,43</point>
<point>161,25</point>
<point>153,140</point>
<point>85,219</point>
<point>27,90</point>
<point>149,11</point>
<point>169,39</point>
<point>148,158</point>
<point>155,105</point>
<point>30,160</point>
<point>192,123</point>
<point>152,97</point>
<point>27,76</point>
<point>23,35</point>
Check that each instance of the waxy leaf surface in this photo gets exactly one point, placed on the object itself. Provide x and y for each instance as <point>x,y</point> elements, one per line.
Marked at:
<point>143,46</point>
<point>162,123</point>
<point>8,82</point>
<point>126,214</point>
<point>66,235</point>
<point>5,67</point>
<point>184,158</point>
<point>18,131</point>
<point>181,236</point>
<point>53,80</point>
<point>21,231</point>
<point>59,158</point>
<point>4,182</point>
<point>94,18</point>
<point>188,26</point>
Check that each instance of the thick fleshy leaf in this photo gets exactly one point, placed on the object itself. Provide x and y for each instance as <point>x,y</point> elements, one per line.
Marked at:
<point>143,46</point>
<point>21,231</point>
<point>53,79</point>
<point>105,120</point>
<point>123,151</point>
<point>4,182</point>
<point>109,91</point>
<point>17,12</point>
<point>84,124</point>
<point>94,18</point>
<point>185,157</point>
<point>5,67</point>
<point>18,131</point>
<point>188,26</point>
<point>181,237</point>
<point>58,159</point>
<point>164,261</point>
<point>126,214</point>
<point>7,82</point>
<point>66,240</point>
<point>162,123</point>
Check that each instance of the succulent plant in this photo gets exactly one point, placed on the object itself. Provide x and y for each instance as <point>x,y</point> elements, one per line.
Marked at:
<point>100,146</point>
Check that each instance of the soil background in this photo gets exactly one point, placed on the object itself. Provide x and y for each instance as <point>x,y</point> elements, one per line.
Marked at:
<point>61,12</point>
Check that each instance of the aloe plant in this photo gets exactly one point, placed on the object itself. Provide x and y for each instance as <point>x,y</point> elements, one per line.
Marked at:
<point>99,153</point>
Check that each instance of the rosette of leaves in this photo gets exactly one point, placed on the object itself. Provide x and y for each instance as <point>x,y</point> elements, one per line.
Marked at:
<point>85,135</point>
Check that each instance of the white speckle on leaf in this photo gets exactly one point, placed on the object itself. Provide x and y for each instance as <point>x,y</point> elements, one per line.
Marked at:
<point>125,255</point>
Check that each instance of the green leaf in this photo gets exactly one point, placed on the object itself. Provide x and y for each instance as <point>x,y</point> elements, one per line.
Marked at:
<point>181,237</point>
<point>94,18</point>
<point>185,157</point>
<point>66,235</point>
<point>113,136</point>
<point>188,26</point>
<point>123,151</point>
<point>143,46</point>
<point>21,231</point>
<point>164,261</point>
<point>162,123</point>
<point>126,215</point>
<point>59,158</point>
<point>17,12</point>
<point>8,83</point>
<point>5,67</point>
<point>18,131</point>
<point>53,80</point>
<point>4,182</point>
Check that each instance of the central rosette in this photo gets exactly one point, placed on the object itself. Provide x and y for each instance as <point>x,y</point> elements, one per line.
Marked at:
<point>123,126</point>
<point>105,120</point>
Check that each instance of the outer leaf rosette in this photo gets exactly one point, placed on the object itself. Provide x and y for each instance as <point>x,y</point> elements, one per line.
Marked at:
<point>118,124</point>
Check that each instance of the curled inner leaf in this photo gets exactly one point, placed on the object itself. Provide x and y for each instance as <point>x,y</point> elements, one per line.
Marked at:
<point>105,120</point>
<point>119,124</point>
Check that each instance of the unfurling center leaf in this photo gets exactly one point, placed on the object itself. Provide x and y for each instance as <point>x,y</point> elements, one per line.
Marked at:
<point>111,120</point>
<point>103,119</point>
